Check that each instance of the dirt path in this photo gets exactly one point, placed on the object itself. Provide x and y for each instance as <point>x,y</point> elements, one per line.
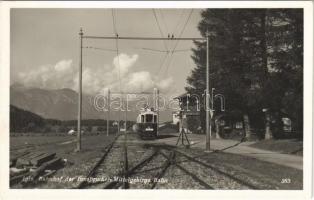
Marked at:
<point>231,146</point>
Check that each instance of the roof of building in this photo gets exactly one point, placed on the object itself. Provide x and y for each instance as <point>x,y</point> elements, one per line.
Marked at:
<point>181,96</point>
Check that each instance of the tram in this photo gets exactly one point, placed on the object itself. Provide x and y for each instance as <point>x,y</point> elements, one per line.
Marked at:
<point>147,124</point>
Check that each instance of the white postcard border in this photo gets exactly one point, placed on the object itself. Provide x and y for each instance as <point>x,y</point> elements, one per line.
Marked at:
<point>6,193</point>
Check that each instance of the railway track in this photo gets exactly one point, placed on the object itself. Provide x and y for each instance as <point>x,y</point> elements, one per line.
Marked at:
<point>130,163</point>
<point>212,174</point>
<point>114,170</point>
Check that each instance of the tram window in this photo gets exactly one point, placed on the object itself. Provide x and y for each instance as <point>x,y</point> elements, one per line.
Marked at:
<point>155,118</point>
<point>142,118</point>
<point>149,118</point>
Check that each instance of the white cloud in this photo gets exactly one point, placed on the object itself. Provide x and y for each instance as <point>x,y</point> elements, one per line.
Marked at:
<point>63,65</point>
<point>139,81</point>
<point>165,84</point>
<point>95,80</point>
<point>55,76</point>
<point>123,63</point>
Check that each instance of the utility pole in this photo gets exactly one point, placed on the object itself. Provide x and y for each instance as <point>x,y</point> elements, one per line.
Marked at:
<point>125,147</point>
<point>119,122</point>
<point>157,112</point>
<point>78,147</point>
<point>156,94</point>
<point>207,107</point>
<point>126,111</point>
<point>108,119</point>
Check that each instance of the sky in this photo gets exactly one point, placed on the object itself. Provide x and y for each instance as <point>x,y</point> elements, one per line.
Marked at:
<point>45,49</point>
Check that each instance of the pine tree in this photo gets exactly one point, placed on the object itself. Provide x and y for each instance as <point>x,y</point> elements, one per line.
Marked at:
<point>255,61</point>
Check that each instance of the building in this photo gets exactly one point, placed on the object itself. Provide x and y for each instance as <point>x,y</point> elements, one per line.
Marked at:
<point>225,125</point>
<point>229,125</point>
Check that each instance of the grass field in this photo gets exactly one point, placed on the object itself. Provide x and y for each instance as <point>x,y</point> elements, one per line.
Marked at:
<point>265,175</point>
<point>77,163</point>
<point>287,146</point>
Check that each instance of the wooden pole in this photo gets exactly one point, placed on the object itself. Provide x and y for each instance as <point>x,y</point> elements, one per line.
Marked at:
<point>126,111</point>
<point>156,94</point>
<point>207,107</point>
<point>119,116</point>
<point>157,112</point>
<point>108,119</point>
<point>78,147</point>
<point>119,122</point>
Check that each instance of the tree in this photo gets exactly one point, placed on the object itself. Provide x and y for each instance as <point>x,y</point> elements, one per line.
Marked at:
<point>228,61</point>
<point>255,62</point>
<point>286,55</point>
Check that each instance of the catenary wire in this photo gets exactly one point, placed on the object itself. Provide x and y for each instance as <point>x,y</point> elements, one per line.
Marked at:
<point>180,35</point>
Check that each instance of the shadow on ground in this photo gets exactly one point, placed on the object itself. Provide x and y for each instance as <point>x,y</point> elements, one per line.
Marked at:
<point>166,136</point>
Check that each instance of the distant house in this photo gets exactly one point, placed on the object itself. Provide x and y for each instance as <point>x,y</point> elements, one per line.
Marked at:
<point>287,124</point>
<point>94,129</point>
<point>228,125</point>
<point>71,132</point>
<point>54,128</point>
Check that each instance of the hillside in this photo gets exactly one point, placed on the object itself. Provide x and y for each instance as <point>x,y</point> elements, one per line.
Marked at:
<point>26,121</point>
<point>51,103</point>
<point>22,120</point>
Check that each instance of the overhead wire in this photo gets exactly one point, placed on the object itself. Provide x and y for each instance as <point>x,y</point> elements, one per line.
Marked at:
<point>178,22</point>
<point>183,29</point>
<point>163,19</point>
<point>143,48</point>
<point>114,22</point>
<point>177,41</point>
<point>165,58</point>
<point>162,63</point>
<point>155,50</point>
<point>101,49</point>
<point>164,42</point>
<point>163,51</point>
<point>159,28</point>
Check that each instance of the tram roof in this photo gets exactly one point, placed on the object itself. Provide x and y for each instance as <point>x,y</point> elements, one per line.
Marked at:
<point>148,112</point>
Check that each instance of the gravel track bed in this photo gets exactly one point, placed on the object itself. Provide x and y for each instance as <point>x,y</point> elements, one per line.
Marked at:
<point>148,172</point>
<point>111,166</point>
<point>177,179</point>
<point>242,175</point>
<point>209,176</point>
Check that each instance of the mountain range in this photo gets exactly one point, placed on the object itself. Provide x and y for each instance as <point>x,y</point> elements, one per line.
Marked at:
<point>62,104</point>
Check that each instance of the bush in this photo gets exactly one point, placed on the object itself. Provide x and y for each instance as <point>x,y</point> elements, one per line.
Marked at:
<point>193,123</point>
